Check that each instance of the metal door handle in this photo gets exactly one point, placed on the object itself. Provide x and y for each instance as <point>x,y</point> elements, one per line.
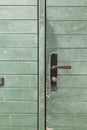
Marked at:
<point>53,71</point>
<point>61,67</point>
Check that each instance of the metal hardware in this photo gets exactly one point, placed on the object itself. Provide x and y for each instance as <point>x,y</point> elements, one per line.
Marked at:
<point>60,67</point>
<point>53,71</point>
<point>1,81</point>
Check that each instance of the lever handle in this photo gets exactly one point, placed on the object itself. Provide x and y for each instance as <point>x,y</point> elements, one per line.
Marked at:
<point>61,67</point>
<point>53,71</point>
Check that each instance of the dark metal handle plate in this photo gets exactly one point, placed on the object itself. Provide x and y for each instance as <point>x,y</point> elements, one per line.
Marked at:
<point>1,81</point>
<point>53,72</point>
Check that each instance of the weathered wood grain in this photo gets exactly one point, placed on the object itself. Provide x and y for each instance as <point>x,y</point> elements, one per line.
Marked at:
<point>67,27</point>
<point>18,2</point>
<point>18,107</point>
<point>18,120</point>
<point>18,54</point>
<point>18,68</point>
<point>17,94</point>
<point>18,128</point>
<point>18,26</point>
<point>66,41</point>
<point>69,54</point>
<point>67,13</point>
<point>67,107</point>
<point>70,81</point>
<point>68,95</point>
<point>20,81</point>
<point>68,128</point>
<point>66,3</point>
<point>67,120</point>
<point>18,40</point>
<point>18,12</point>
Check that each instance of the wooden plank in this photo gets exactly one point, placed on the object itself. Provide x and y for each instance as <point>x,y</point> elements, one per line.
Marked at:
<point>67,120</point>
<point>74,68</point>
<point>69,81</point>
<point>18,120</point>
<point>18,40</point>
<point>67,13</point>
<point>17,94</point>
<point>18,12</point>
<point>18,107</point>
<point>69,128</point>
<point>18,2</point>
<point>18,26</point>
<point>66,107</point>
<point>19,128</point>
<point>18,68</point>
<point>66,41</point>
<point>41,93</point>
<point>69,54</point>
<point>67,27</point>
<point>20,81</point>
<point>68,95</point>
<point>18,54</point>
<point>66,3</point>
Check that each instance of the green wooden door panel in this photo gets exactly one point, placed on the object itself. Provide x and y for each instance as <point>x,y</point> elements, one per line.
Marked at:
<point>18,94</point>
<point>18,68</point>
<point>18,107</point>
<point>81,70</point>
<point>67,27</point>
<point>16,120</point>
<point>69,95</point>
<point>67,120</point>
<point>20,128</point>
<point>66,41</point>
<point>18,54</point>
<point>18,2</point>
<point>74,81</point>
<point>67,13</point>
<point>20,81</point>
<point>18,12</point>
<point>66,3</point>
<point>18,26</point>
<point>69,128</point>
<point>67,107</point>
<point>66,35</point>
<point>70,54</point>
<point>18,40</point>
<point>15,94</point>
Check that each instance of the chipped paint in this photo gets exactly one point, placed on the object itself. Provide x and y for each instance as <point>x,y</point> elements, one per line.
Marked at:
<point>49,128</point>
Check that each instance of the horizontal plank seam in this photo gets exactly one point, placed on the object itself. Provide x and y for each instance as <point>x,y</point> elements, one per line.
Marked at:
<point>18,5</point>
<point>18,33</point>
<point>66,34</point>
<point>33,101</point>
<point>48,6</point>
<point>18,127</point>
<point>70,101</point>
<point>67,113</point>
<point>70,126</point>
<point>19,47</point>
<point>20,19</point>
<point>20,100</point>
<point>71,48</point>
<point>21,114</point>
<point>4,60</point>
<point>63,20</point>
<point>20,74</point>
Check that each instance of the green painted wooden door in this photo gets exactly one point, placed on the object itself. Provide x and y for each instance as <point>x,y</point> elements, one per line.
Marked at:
<point>18,64</point>
<point>66,34</point>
